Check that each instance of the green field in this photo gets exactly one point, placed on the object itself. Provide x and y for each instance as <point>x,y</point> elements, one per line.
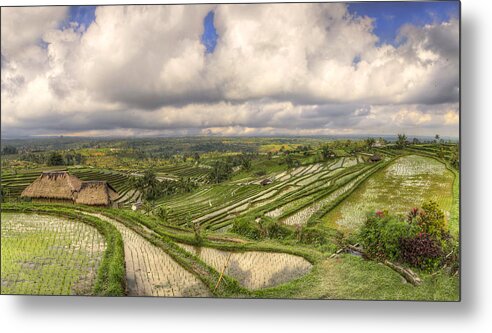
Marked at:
<point>236,237</point>
<point>406,183</point>
<point>47,255</point>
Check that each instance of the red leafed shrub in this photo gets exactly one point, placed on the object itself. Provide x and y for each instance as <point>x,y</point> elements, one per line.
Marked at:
<point>430,220</point>
<point>421,251</point>
<point>420,239</point>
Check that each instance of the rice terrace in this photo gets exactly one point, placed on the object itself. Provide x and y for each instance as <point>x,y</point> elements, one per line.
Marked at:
<point>251,219</point>
<point>267,150</point>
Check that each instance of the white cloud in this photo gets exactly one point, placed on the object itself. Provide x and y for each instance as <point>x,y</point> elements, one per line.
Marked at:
<point>276,69</point>
<point>451,118</point>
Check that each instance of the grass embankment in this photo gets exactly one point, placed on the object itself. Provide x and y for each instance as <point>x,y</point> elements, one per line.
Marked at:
<point>351,277</point>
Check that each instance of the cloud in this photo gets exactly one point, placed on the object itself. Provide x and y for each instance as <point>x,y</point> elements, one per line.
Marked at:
<point>276,68</point>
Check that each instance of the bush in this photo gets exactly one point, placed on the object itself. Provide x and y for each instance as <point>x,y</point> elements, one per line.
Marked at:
<point>276,230</point>
<point>314,236</point>
<point>421,251</point>
<point>420,240</point>
<point>242,226</point>
<point>430,220</point>
<point>266,227</point>
<point>380,236</point>
<point>260,173</point>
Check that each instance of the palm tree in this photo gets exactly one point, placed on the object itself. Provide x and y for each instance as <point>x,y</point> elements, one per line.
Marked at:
<point>370,142</point>
<point>402,141</point>
<point>148,206</point>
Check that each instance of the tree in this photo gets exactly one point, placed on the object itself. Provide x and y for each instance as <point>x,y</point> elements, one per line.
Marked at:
<point>290,161</point>
<point>197,230</point>
<point>437,138</point>
<point>162,213</point>
<point>148,206</point>
<point>9,150</point>
<point>415,141</point>
<point>370,142</point>
<point>220,172</point>
<point>4,193</point>
<point>55,159</point>
<point>455,158</point>
<point>441,152</point>
<point>246,162</point>
<point>401,142</point>
<point>196,157</point>
<point>325,152</point>
<point>79,159</point>
<point>148,185</point>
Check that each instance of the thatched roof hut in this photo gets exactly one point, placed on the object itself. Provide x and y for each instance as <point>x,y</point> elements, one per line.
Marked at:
<point>96,193</point>
<point>57,185</point>
<point>266,181</point>
<point>62,186</point>
<point>375,158</point>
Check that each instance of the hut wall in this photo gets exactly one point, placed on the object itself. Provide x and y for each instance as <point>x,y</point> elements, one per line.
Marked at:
<point>46,200</point>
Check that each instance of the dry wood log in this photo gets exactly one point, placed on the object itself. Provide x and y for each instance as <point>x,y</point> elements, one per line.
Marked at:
<point>407,273</point>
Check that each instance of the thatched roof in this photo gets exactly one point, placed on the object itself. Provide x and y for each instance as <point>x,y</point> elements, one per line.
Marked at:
<point>375,158</point>
<point>62,185</point>
<point>266,181</point>
<point>53,185</point>
<point>96,193</point>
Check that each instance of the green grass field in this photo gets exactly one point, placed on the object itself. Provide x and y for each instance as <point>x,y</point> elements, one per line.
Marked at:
<point>406,183</point>
<point>47,255</point>
<point>324,198</point>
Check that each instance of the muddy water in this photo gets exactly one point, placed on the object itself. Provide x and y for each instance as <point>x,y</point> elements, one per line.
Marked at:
<point>254,269</point>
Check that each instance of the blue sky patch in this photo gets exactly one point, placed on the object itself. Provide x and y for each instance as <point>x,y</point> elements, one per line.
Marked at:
<point>391,16</point>
<point>83,15</point>
<point>209,37</point>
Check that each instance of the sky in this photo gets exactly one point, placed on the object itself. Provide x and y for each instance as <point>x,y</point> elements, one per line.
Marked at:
<point>271,69</point>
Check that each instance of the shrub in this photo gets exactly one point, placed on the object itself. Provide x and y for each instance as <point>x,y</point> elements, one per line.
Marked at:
<point>315,236</point>
<point>420,240</point>
<point>421,251</point>
<point>380,235</point>
<point>277,230</point>
<point>244,227</point>
<point>430,220</point>
<point>266,227</point>
<point>271,228</point>
<point>260,173</point>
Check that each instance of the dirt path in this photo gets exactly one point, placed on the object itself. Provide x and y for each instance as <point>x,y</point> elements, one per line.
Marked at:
<point>152,272</point>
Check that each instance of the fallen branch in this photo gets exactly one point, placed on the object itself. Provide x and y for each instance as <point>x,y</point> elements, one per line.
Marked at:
<point>407,273</point>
